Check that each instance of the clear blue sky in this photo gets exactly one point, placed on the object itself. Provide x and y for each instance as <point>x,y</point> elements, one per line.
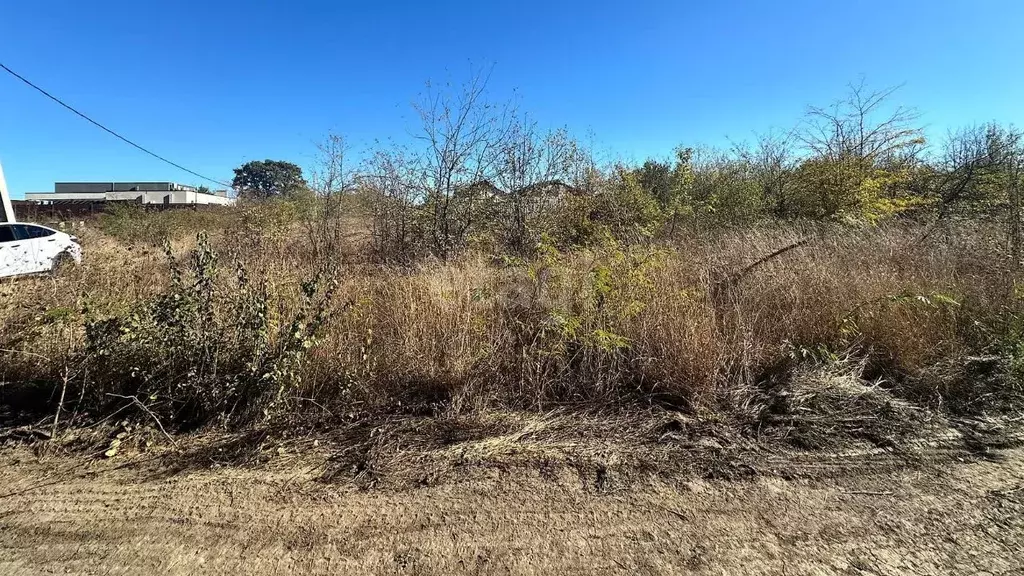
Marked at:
<point>211,84</point>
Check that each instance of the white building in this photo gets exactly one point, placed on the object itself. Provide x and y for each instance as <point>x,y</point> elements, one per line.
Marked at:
<point>167,194</point>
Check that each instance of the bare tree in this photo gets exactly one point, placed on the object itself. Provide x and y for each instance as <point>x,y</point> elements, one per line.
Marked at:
<point>1015,204</point>
<point>1005,157</point>
<point>858,129</point>
<point>330,180</point>
<point>974,165</point>
<point>392,187</point>
<point>960,168</point>
<point>464,135</point>
<point>854,136</point>
<point>772,161</point>
<point>534,170</point>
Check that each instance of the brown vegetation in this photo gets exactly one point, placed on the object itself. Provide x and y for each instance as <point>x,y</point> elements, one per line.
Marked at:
<point>498,267</point>
<point>247,328</point>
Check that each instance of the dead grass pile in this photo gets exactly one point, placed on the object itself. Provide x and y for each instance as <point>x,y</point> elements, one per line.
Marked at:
<point>832,406</point>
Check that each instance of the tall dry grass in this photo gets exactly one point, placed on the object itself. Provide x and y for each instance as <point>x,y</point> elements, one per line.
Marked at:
<point>688,324</point>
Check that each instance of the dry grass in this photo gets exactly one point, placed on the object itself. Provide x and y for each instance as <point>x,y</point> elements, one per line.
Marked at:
<point>684,325</point>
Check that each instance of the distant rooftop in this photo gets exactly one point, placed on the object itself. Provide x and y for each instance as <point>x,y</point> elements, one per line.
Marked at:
<point>96,187</point>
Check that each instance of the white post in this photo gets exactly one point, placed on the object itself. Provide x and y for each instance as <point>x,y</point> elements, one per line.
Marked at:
<point>6,211</point>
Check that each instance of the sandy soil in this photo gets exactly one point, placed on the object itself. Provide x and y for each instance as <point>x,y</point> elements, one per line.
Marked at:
<point>61,515</point>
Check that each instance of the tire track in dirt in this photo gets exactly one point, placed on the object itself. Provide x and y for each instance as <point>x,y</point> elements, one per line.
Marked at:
<point>965,518</point>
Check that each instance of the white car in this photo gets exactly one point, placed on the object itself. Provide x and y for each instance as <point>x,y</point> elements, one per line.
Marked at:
<point>31,248</point>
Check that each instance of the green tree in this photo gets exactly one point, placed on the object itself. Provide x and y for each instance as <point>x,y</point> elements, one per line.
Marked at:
<point>655,176</point>
<point>677,202</point>
<point>268,179</point>
<point>630,212</point>
<point>723,190</point>
<point>669,184</point>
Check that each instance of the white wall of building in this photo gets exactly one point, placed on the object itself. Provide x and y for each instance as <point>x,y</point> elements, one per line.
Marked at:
<point>176,198</point>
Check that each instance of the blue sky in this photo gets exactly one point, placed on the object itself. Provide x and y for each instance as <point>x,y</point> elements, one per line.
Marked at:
<point>211,84</point>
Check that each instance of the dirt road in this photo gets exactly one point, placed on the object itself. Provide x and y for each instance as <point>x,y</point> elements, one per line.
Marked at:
<point>60,516</point>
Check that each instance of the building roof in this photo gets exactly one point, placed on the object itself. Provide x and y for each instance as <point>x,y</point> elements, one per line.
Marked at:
<point>131,186</point>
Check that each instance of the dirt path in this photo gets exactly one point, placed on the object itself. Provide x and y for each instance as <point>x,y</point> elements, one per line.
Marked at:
<point>965,518</point>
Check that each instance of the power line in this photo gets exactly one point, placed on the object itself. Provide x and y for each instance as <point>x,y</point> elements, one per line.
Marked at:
<point>108,130</point>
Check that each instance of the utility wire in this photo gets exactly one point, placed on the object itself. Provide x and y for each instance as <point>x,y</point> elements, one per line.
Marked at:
<point>108,130</point>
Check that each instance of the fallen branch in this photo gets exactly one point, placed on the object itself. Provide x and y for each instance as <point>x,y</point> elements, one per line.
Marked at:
<point>736,278</point>
<point>24,431</point>
<point>151,415</point>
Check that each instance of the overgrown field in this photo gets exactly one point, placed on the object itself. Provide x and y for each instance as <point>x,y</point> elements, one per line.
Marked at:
<point>844,278</point>
<point>796,330</point>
